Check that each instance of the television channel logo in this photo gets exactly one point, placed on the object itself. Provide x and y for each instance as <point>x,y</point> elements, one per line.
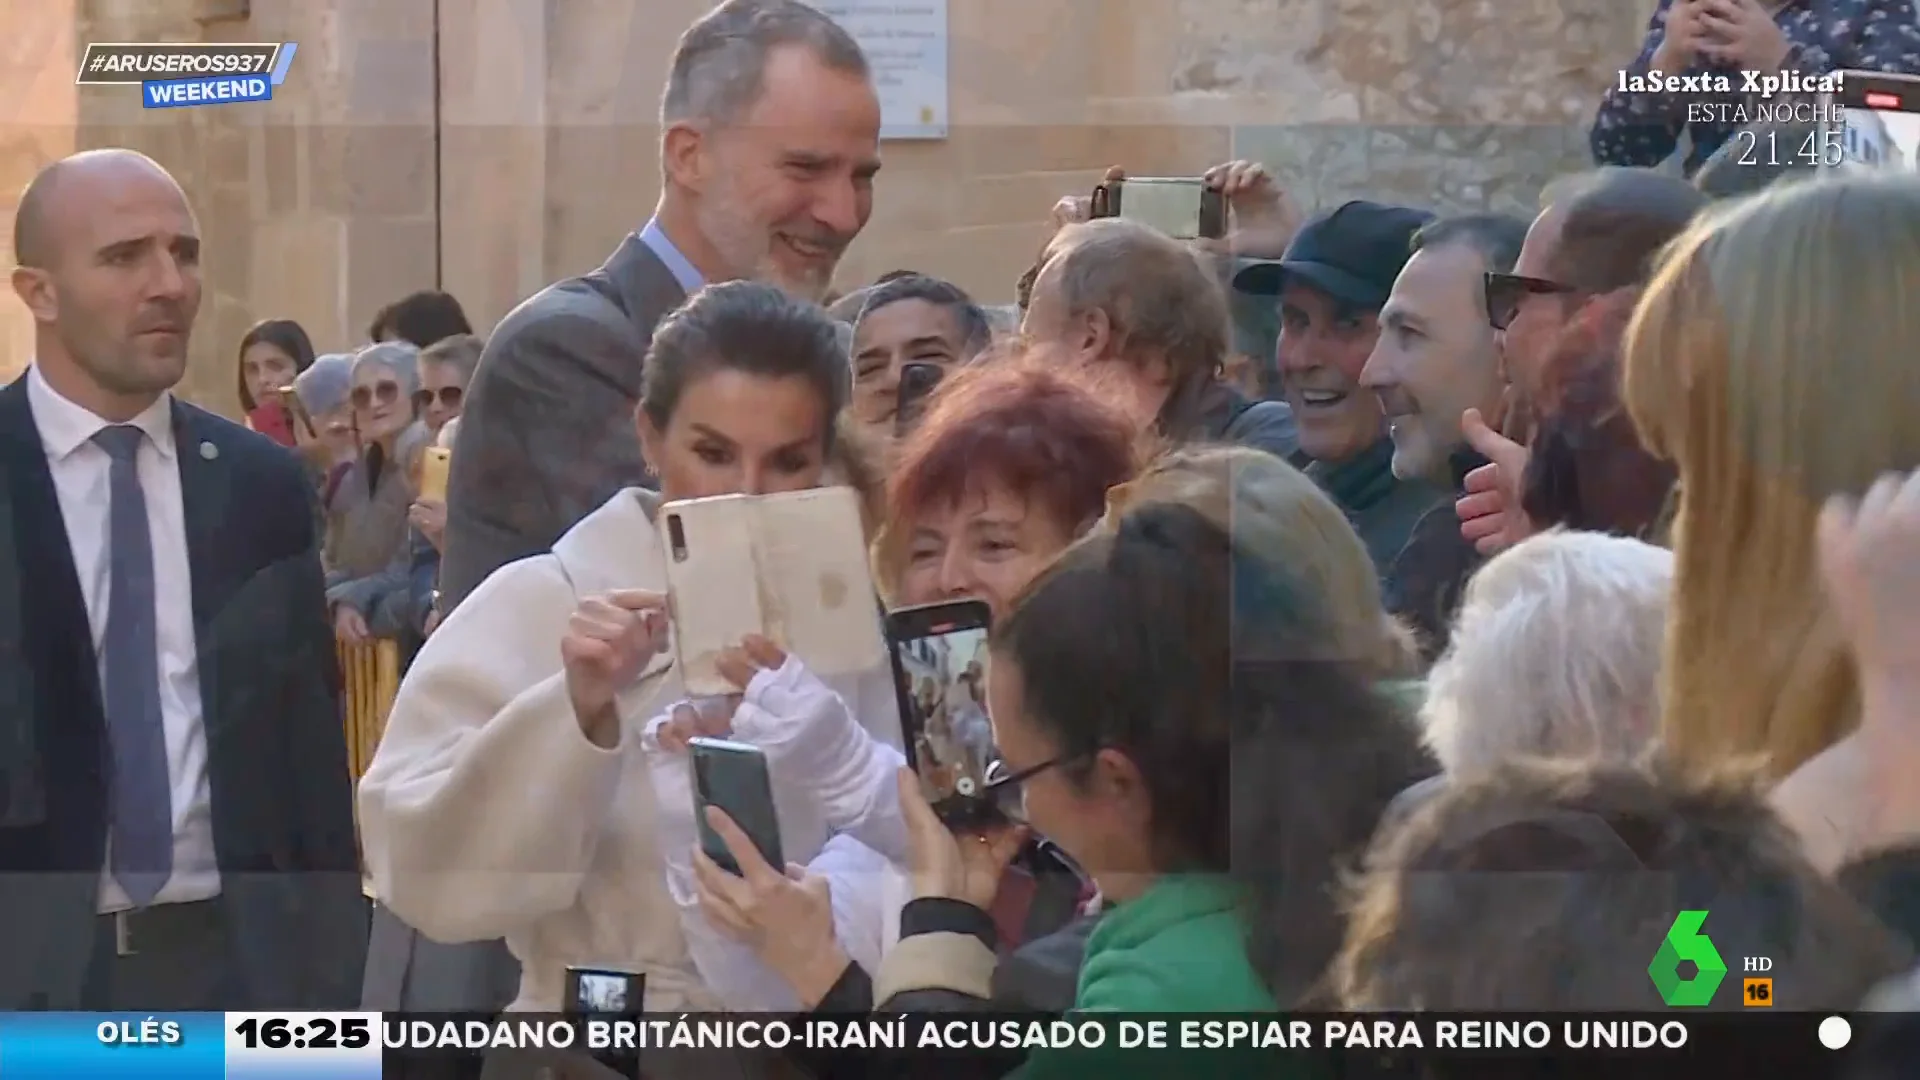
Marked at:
<point>1684,942</point>
<point>177,74</point>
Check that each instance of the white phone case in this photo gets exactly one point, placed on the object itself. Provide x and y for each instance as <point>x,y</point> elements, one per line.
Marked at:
<point>792,567</point>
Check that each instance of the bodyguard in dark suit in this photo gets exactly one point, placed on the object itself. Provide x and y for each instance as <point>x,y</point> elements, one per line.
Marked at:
<point>193,846</point>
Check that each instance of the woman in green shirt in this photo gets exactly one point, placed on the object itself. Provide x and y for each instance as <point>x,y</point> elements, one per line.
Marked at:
<point>1169,713</point>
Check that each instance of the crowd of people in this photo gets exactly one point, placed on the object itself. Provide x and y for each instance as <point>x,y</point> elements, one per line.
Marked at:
<point>1389,609</point>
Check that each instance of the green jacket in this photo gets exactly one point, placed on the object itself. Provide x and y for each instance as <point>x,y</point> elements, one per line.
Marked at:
<point>1177,948</point>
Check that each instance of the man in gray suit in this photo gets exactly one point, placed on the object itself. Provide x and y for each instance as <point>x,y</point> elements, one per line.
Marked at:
<point>769,145</point>
<point>770,135</point>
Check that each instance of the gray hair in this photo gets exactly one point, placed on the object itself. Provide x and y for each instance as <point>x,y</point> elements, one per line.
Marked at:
<point>1155,295</point>
<point>719,66</point>
<point>396,356</point>
<point>324,386</point>
<point>460,352</point>
<point>1556,653</point>
<point>1497,237</point>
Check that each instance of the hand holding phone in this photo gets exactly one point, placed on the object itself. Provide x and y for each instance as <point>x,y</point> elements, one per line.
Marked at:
<point>950,863</point>
<point>734,777</point>
<point>610,640</point>
<point>435,462</point>
<point>939,664</point>
<point>1185,208</point>
<point>302,422</point>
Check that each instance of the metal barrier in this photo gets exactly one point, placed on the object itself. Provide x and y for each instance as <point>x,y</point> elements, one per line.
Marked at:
<point>371,672</point>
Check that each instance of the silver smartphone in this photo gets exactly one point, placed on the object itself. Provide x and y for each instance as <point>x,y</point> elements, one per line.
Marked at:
<point>1877,117</point>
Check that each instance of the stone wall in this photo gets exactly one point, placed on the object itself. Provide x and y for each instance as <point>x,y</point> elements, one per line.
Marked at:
<point>326,203</point>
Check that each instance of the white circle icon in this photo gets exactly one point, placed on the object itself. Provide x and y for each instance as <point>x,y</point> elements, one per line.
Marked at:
<point>1835,1032</point>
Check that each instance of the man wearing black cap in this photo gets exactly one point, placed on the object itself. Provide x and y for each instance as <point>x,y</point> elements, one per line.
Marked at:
<point>1331,283</point>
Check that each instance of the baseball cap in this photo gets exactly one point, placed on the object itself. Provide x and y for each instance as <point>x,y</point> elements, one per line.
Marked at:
<point>1352,253</point>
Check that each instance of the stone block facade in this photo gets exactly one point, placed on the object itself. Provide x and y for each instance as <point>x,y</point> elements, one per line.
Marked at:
<point>490,146</point>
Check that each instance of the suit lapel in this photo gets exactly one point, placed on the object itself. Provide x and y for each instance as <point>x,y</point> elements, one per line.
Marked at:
<point>69,727</point>
<point>647,288</point>
<point>204,489</point>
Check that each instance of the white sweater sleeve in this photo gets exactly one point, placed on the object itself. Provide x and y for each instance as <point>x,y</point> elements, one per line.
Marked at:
<point>807,731</point>
<point>482,806</point>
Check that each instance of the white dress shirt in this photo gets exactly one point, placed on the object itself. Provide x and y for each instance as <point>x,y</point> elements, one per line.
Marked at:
<point>80,476</point>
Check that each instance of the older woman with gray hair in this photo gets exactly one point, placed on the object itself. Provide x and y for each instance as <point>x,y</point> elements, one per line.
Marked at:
<point>367,515</point>
<point>1556,653</point>
<point>324,435</point>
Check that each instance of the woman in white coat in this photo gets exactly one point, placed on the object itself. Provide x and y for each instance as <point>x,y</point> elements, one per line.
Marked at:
<point>524,788</point>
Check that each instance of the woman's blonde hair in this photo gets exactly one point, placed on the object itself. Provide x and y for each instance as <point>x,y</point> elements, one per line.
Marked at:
<point>1773,360</point>
<point>1272,509</point>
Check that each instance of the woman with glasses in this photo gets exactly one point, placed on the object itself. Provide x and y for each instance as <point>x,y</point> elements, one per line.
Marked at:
<point>367,519</point>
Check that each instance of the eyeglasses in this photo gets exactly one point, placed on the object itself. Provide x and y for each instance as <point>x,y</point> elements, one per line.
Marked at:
<point>363,396</point>
<point>1505,292</point>
<point>1006,789</point>
<point>448,396</point>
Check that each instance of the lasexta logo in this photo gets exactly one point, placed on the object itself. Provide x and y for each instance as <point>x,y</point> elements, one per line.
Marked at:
<point>1685,942</point>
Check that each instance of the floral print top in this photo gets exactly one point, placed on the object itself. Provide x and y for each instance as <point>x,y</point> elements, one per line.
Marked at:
<point>1823,35</point>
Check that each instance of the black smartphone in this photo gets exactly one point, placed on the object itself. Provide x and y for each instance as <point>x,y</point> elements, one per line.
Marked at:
<point>734,777</point>
<point>918,380</point>
<point>1185,208</point>
<point>939,654</point>
<point>604,991</point>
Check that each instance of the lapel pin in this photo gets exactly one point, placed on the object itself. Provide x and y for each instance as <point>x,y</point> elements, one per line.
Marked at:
<point>209,451</point>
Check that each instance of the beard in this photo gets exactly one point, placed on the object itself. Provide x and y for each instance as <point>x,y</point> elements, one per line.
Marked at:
<point>135,367</point>
<point>747,249</point>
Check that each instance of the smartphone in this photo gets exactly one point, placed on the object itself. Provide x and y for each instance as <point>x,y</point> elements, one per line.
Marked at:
<point>1875,118</point>
<point>302,422</point>
<point>434,463</point>
<point>939,654</point>
<point>918,380</point>
<point>791,567</point>
<point>734,777</point>
<point>1184,208</point>
<point>591,990</point>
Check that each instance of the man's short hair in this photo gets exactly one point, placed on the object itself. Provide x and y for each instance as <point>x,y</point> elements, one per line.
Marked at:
<point>1153,292</point>
<point>1616,221</point>
<point>421,319</point>
<point>1755,157</point>
<point>719,66</point>
<point>1497,237</point>
<point>1549,886</point>
<point>976,333</point>
<point>461,351</point>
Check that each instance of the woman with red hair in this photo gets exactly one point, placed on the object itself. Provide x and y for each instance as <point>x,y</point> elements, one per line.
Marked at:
<point>1011,463</point>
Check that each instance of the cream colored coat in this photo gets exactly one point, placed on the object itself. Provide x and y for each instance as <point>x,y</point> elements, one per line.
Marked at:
<point>486,812</point>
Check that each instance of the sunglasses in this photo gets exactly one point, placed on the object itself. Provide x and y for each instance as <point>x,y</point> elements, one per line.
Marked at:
<point>449,397</point>
<point>386,392</point>
<point>1506,292</point>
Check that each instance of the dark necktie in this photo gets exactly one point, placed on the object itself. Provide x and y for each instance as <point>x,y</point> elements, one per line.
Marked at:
<point>142,802</point>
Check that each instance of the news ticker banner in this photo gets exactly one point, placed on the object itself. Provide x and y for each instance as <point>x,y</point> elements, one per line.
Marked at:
<point>369,1045</point>
<point>174,75</point>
